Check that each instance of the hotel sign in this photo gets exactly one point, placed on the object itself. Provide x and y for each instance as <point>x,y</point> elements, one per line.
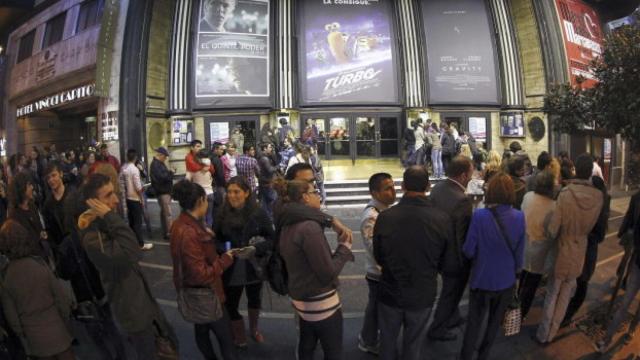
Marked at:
<point>56,100</point>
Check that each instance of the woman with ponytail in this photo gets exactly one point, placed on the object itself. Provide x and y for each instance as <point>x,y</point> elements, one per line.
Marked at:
<point>313,271</point>
<point>193,250</point>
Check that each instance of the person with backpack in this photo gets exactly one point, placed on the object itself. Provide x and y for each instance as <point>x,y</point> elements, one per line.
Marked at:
<point>112,247</point>
<point>196,264</point>
<point>313,271</point>
<point>495,246</point>
<point>383,195</point>
<point>242,224</point>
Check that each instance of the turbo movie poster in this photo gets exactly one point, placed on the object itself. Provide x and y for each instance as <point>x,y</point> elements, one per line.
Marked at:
<point>460,53</point>
<point>347,52</point>
<point>582,38</point>
<point>232,55</point>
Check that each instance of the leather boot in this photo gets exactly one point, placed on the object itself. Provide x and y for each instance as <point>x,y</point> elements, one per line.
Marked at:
<point>254,314</point>
<point>238,332</point>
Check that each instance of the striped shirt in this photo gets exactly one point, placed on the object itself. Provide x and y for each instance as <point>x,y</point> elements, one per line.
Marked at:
<point>319,307</point>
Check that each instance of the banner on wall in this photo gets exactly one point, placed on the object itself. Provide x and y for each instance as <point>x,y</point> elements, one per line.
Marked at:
<point>583,38</point>
<point>460,52</point>
<point>232,56</point>
<point>347,52</point>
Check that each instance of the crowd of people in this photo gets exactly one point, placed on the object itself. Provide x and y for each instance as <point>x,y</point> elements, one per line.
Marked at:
<point>246,219</point>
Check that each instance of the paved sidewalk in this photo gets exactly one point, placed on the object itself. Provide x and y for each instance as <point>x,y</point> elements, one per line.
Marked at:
<point>279,328</point>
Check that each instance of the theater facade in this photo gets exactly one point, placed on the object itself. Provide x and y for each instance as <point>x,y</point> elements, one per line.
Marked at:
<point>356,71</point>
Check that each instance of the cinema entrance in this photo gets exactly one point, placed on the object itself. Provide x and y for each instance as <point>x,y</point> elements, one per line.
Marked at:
<point>356,137</point>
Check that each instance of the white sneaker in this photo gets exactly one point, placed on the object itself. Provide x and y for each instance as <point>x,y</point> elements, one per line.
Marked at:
<point>146,247</point>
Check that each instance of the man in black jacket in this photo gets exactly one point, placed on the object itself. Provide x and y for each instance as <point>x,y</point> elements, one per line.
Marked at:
<point>268,171</point>
<point>449,196</point>
<point>162,183</point>
<point>408,243</point>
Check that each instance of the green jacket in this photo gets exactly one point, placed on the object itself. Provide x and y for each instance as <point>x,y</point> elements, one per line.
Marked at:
<point>112,247</point>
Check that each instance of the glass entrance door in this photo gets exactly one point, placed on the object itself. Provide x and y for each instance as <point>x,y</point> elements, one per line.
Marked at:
<point>357,137</point>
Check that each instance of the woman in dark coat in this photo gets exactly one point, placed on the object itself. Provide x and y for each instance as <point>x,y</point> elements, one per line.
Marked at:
<point>241,224</point>
<point>193,251</point>
<point>33,299</point>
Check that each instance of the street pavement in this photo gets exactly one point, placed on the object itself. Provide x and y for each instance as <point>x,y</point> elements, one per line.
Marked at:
<point>278,326</point>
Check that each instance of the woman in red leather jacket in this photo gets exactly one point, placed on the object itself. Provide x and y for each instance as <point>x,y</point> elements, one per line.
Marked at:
<point>201,265</point>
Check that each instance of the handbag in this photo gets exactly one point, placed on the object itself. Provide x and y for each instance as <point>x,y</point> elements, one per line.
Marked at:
<point>513,316</point>
<point>90,310</point>
<point>197,305</point>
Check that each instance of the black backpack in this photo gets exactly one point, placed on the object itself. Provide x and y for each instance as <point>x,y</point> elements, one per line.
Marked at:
<point>277,274</point>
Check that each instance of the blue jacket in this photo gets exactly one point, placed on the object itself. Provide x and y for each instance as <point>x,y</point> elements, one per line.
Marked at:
<point>492,266</point>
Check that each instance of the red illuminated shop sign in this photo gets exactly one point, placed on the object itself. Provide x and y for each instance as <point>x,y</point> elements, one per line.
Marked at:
<point>583,38</point>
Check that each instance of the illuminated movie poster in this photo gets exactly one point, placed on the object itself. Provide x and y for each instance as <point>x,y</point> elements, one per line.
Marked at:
<point>347,53</point>
<point>232,56</point>
<point>582,38</point>
<point>460,52</point>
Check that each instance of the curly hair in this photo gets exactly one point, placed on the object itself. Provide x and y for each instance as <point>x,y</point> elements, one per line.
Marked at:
<point>17,192</point>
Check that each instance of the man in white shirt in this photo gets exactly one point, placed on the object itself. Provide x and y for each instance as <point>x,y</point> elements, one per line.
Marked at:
<point>130,177</point>
<point>597,170</point>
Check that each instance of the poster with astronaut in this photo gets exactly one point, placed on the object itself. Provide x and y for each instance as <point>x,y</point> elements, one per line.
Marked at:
<point>347,52</point>
<point>460,52</point>
<point>232,58</point>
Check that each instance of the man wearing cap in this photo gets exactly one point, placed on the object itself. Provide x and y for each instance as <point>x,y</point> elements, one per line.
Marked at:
<point>162,183</point>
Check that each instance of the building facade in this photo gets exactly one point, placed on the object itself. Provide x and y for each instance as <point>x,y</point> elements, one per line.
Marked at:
<point>357,72</point>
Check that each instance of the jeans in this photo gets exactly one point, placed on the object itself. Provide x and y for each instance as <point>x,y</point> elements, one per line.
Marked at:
<point>164,201</point>
<point>370,332</point>
<point>134,213</point>
<point>268,196</point>
<point>529,283</point>
<point>234,293</point>
<point>436,161</point>
<point>447,309</point>
<point>559,292</point>
<point>323,192</point>
<point>410,157</point>
<point>483,303</point>
<point>105,333</point>
<point>633,286</point>
<point>144,344</point>
<point>414,325</point>
<point>208,218</point>
<point>222,330</point>
<point>327,331</point>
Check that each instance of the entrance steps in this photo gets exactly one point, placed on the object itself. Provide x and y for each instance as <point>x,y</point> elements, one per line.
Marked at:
<point>354,194</point>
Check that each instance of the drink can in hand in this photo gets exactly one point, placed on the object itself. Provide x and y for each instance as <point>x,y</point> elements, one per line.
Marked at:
<point>227,245</point>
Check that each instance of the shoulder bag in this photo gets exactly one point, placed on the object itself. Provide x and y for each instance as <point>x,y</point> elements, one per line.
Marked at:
<point>513,316</point>
<point>196,305</point>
